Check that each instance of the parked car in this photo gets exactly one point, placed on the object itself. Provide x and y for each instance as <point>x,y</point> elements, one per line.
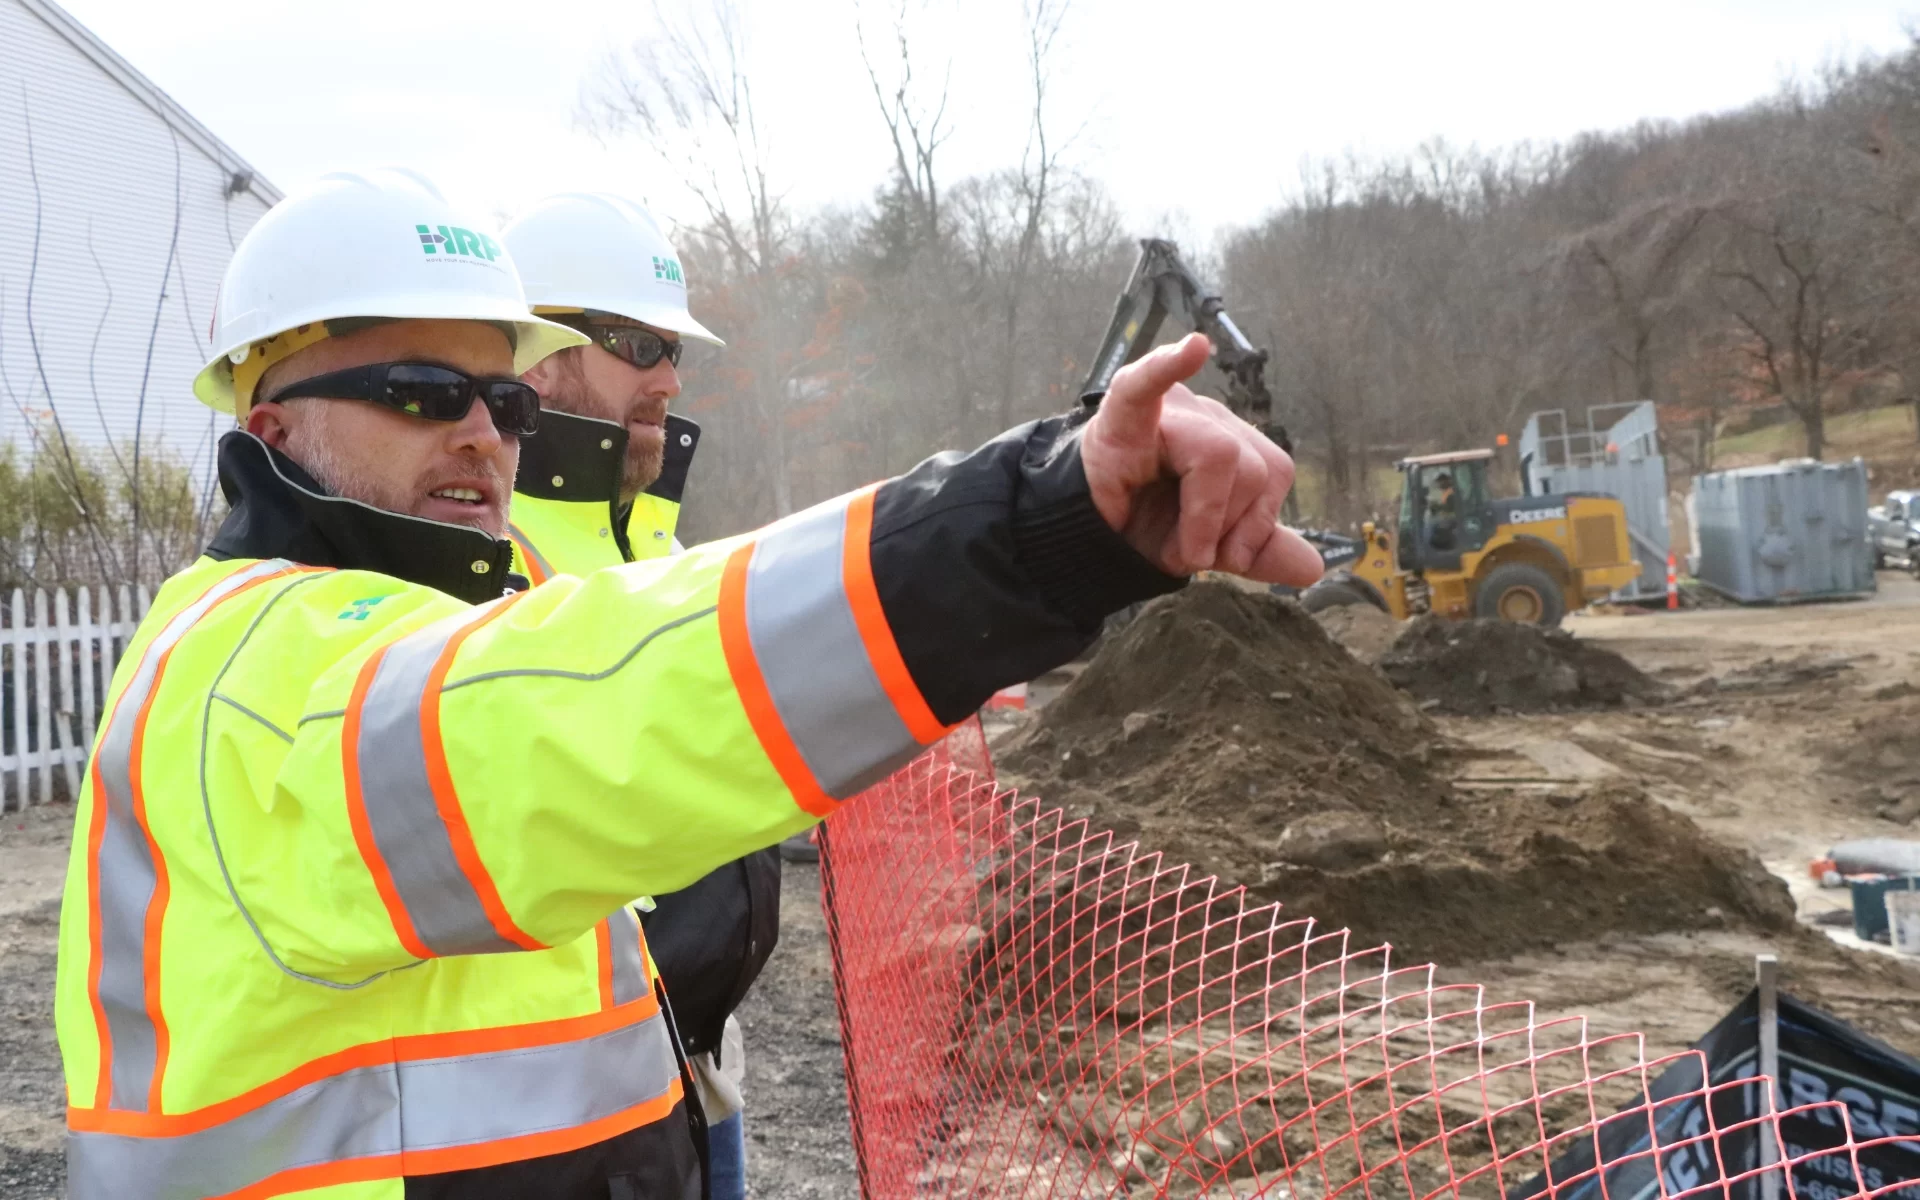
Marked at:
<point>1893,527</point>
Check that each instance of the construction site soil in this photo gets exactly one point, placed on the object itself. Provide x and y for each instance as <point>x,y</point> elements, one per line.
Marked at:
<point>1883,756</point>
<point>1225,729</point>
<point>1472,668</point>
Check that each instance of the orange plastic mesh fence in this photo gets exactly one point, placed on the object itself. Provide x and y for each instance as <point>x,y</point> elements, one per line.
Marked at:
<point>1034,1008</point>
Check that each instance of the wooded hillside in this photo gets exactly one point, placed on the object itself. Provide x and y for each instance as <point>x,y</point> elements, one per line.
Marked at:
<point>1739,268</point>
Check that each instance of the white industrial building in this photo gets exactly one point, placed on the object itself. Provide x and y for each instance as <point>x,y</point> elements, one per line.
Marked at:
<point>118,213</point>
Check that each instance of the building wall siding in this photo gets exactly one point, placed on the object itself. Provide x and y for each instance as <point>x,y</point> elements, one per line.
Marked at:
<point>87,216</point>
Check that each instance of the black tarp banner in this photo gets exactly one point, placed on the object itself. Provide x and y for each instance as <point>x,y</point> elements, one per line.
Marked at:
<point>1823,1063</point>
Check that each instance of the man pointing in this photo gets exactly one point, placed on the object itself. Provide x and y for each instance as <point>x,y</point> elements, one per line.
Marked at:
<point>346,909</point>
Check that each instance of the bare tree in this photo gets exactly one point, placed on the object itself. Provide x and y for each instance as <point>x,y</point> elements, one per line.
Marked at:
<point>915,113</point>
<point>1039,164</point>
<point>153,339</point>
<point>75,493</point>
<point>1776,289</point>
<point>1633,268</point>
<point>1784,276</point>
<point>686,93</point>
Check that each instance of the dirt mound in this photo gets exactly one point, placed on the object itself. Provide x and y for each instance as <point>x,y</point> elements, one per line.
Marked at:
<point>1227,730</point>
<point>1364,630</point>
<point>1217,717</point>
<point>1881,755</point>
<point>1512,871</point>
<point>1472,668</point>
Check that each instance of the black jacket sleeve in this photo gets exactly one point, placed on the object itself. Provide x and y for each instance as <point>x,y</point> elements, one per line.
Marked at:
<point>995,567</point>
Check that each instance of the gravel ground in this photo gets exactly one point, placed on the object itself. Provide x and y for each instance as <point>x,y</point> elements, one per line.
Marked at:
<point>798,1143</point>
<point>33,852</point>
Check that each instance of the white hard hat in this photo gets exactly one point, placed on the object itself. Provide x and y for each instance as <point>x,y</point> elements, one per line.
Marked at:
<point>590,252</point>
<point>375,244</point>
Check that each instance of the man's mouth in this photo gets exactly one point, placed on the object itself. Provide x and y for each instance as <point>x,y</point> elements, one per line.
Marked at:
<point>464,495</point>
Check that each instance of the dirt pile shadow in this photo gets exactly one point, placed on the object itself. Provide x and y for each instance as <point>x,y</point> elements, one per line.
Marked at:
<point>1477,667</point>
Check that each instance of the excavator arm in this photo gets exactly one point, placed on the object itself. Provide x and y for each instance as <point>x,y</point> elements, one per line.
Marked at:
<point>1162,286</point>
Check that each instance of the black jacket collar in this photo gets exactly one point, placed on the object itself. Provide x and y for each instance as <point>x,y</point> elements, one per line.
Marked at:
<point>683,438</point>
<point>278,511</point>
<point>579,459</point>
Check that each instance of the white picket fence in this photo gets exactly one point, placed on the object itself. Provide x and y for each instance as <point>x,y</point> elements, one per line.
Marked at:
<point>57,654</point>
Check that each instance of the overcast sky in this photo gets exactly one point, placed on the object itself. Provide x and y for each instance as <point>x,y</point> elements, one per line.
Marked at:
<point>1197,115</point>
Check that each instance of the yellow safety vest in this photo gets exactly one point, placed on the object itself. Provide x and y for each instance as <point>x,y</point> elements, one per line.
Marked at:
<point>566,516</point>
<point>560,537</point>
<point>346,898</point>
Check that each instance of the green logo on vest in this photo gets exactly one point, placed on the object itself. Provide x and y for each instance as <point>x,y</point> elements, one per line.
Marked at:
<point>668,269</point>
<point>455,242</point>
<point>358,609</point>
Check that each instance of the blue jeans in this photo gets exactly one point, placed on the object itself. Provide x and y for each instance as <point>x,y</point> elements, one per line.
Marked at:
<point>727,1158</point>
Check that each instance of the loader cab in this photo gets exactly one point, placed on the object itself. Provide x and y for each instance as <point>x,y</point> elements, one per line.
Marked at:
<point>1445,509</point>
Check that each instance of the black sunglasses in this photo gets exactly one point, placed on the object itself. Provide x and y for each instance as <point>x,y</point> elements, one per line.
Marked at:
<point>429,391</point>
<point>641,347</point>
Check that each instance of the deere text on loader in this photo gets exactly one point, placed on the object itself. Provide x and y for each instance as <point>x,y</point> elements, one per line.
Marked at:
<point>1459,553</point>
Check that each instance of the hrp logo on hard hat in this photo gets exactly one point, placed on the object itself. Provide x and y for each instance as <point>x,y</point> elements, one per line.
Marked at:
<point>464,243</point>
<point>591,252</point>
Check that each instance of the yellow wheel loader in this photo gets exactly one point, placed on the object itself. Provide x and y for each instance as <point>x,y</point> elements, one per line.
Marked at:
<point>1460,553</point>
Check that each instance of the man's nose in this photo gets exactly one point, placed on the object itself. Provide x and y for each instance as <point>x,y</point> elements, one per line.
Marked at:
<point>475,433</point>
<point>663,380</point>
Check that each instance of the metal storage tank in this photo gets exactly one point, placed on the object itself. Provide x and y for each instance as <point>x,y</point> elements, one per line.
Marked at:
<point>1795,530</point>
<point>1623,460</point>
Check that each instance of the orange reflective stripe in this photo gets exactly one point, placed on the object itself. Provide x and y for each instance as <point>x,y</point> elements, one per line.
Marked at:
<point>461,1158</point>
<point>331,1174</point>
<point>603,946</point>
<point>535,565</point>
<point>390,1117</point>
<point>447,800</point>
<point>863,596</point>
<point>357,812</point>
<point>737,645</point>
<point>410,1048</point>
<point>418,847</point>
<point>539,1145</point>
<point>96,960</point>
<point>116,773</point>
<point>157,907</point>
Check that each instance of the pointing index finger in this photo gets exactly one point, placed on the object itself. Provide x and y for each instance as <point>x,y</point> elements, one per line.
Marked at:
<point>1132,404</point>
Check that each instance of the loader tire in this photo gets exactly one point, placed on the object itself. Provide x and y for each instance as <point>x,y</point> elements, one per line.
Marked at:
<point>1521,592</point>
<point>1334,593</point>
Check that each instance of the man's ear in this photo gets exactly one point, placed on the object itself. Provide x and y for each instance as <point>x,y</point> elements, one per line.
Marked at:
<point>271,422</point>
<point>543,375</point>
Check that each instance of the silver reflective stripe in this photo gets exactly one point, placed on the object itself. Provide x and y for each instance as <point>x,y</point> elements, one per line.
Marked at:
<point>811,656</point>
<point>401,813</point>
<point>427,1104</point>
<point>526,543</point>
<point>125,868</point>
<point>629,968</point>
